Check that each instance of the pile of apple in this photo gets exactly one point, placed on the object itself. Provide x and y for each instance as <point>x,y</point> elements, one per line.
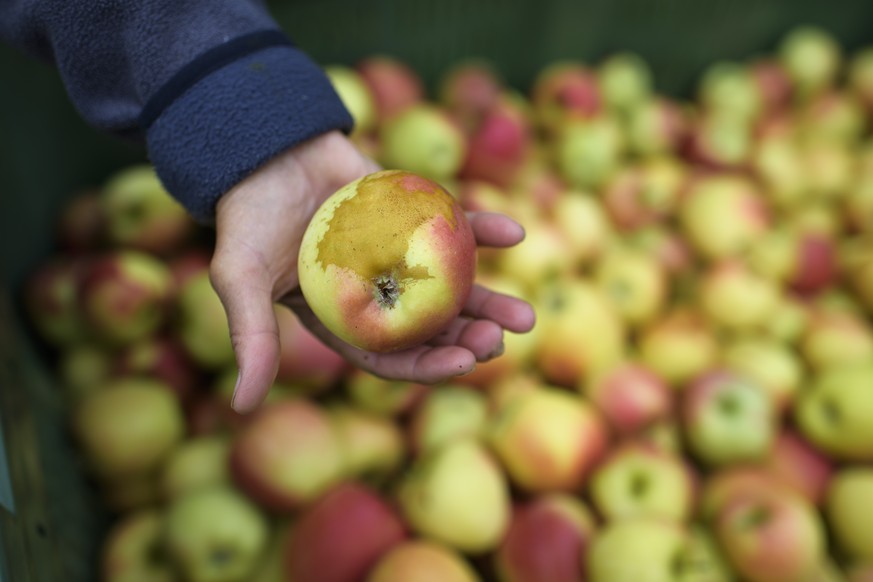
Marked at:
<point>695,402</point>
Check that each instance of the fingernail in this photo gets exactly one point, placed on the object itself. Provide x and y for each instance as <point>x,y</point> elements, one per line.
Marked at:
<point>236,390</point>
<point>498,351</point>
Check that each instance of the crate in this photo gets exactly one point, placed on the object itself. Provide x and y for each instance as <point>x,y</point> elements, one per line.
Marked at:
<point>50,521</point>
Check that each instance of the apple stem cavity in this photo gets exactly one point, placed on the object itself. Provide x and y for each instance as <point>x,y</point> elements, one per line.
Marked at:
<point>387,291</point>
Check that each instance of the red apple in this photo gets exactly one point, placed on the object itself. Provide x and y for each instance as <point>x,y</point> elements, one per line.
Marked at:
<point>645,193</point>
<point>51,299</point>
<point>161,357</point>
<point>799,465</point>
<point>563,89</point>
<point>772,82</point>
<point>388,261</point>
<point>286,455</point>
<point>469,89</point>
<point>630,397</point>
<point>547,539</point>
<point>394,85</point>
<point>498,145</point>
<point>304,360</point>
<point>342,535</point>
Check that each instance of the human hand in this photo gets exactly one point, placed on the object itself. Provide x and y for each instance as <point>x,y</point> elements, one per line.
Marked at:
<point>259,227</point>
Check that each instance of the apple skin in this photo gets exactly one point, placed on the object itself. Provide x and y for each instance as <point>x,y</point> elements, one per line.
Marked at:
<point>380,396</point>
<point>634,480</point>
<point>802,467</point>
<point>373,446</point>
<point>388,261</point>
<point>812,59</point>
<point>847,508</point>
<point>563,89</point>
<point>726,484</point>
<point>140,214</point>
<point>679,345</point>
<point>548,439</point>
<point>772,363</point>
<point>767,536</point>
<point>131,549</point>
<point>457,495</point>
<point>588,151</point>
<point>835,413</point>
<point>625,80</point>
<point>423,139</point>
<point>727,418</point>
<point>125,295</point>
<point>645,193</point>
<point>655,126</point>
<point>197,462</point>
<point>835,338</point>
<point>304,360</point>
<point>630,397</point>
<point>83,369</point>
<point>636,549</point>
<point>734,297</point>
<point>422,561</point>
<point>393,84</point>
<point>447,412</point>
<point>51,299</point>
<point>498,146</point>
<point>355,94</point>
<point>128,427</point>
<point>547,539</point>
<point>468,90</point>
<point>161,357</point>
<point>286,455</point>
<point>215,534</point>
<point>201,323</point>
<point>341,535</point>
<point>634,282</point>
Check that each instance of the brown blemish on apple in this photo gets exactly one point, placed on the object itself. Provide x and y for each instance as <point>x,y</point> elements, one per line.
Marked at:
<point>396,202</point>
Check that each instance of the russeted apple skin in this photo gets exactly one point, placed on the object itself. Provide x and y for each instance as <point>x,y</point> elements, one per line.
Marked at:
<point>388,261</point>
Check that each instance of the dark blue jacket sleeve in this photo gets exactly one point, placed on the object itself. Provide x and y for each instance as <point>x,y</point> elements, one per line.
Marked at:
<point>213,87</point>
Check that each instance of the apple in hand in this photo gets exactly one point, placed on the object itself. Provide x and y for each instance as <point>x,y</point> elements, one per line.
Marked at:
<point>848,509</point>
<point>457,494</point>
<point>727,418</point>
<point>215,534</point>
<point>639,481</point>
<point>341,535</point>
<point>287,454</point>
<point>422,561</point>
<point>388,261</point>
<point>128,427</point>
<point>548,539</point>
<point>132,549</point>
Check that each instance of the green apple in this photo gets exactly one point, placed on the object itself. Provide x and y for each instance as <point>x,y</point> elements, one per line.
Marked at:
<point>373,445</point>
<point>356,95</point>
<point>447,412</point>
<point>423,139</point>
<point>848,509</point>
<point>812,58</point>
<point>588,151</point>
<point>201,461</point>
<point>457,495</point>
<point>215,534</point>
<point>201,325</point>
<point>636,550</point>
<point>625,80</point>
<point>679,345</point>
<point>132,549</point>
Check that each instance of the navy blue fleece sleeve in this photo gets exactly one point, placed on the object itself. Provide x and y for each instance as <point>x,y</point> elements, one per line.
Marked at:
<point>213,86</point>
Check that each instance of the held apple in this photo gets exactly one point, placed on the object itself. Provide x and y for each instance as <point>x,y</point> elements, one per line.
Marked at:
<point>388,261</point>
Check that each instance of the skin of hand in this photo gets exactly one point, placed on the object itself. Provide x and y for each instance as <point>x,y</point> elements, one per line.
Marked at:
<point>259,227</point>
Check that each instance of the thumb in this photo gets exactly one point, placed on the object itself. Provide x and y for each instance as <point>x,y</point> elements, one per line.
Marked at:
<point>247,299</point>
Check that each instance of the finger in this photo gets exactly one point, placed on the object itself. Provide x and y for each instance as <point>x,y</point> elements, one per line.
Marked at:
<point>509,312</point>
<point>247,298</point>
<point>495,230</point>
<point>482,337</point>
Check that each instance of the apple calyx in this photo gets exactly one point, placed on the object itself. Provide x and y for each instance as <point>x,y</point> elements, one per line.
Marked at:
<point>387,290</point>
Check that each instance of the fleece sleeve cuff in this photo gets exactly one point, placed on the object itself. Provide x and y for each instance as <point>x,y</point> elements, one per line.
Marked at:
<point>232,110</point>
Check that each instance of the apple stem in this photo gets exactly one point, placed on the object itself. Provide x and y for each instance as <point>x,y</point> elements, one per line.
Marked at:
<point>387,290</point>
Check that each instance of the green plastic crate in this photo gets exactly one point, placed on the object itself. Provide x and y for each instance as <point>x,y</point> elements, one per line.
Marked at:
<point>50,521</point>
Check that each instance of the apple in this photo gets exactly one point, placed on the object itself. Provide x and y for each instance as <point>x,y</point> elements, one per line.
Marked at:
<point>772,82</point>
<point>773,364</point>
<point>83,368</point>
<point>723,215</point>
<point>388,261</point>
<point>304,360</point>
<point>636,549</point>
<point>564,89</point>
<point>727,418</point>
<point>584,224</point>
<point>422,561</point>
<point>657,125</point>
<point>568,352</point>
<point>131,549</point>
<point>664,435</point>
<point>588,151</point>
<point>767,536</point>
<point>548,439</point>
<point>798,464</point>
<point>548,538</point>
<point>342,535</point>
<point>701,560</point>
<point>469,89</point>
<point>457,495</point>
<point>380,396</point>
<point>833,115</point>
<point>624,80</point>
<point>778,162</point>
<point>729,88</point>
<point>198,462</point>
<point>287,454</point>
<point>679,345</point>
<point>734,297</point>
<point>373,446</point>
<point>393,84</point>
<point>645,193</point>
<point>356,95</point>
<point>835,338</point>
<point>829,169</point>
<point>812,59</point>
<point>667,246</point>
<point>161,357</point>
<point>128,427</point>
<point>629,396</point>
<point>50,296</point>
<point>445,413</point>
<point>542,255</point>
<point>215,534</point>
<point>788,321</point>
<point>81,226</point>
<point>498,145</point>
<point>140,214</point>
<point>847,508</point>
<point>724,485</point>
<point>719,141</point>
<point>858,205</point>
<point>635,283</point>
<point>835,412</point>
<point>201,324</point>
<point>424,140</point>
